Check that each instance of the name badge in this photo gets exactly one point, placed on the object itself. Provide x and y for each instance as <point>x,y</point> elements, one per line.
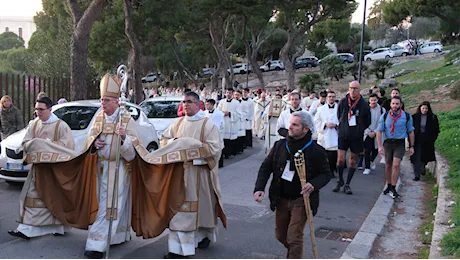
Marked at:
<point>287,174</point>
<point>352,121</point>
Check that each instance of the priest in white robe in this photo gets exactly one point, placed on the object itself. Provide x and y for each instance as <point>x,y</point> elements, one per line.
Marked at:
<point>283,123</point>
<point>240,144</point>
<point>35,218</point>
<point>195,225</point>
<point>326,123</point>
<point>217,118</point>
<point>229,107</point>
<point>259,108</point>
<point>248,105</point>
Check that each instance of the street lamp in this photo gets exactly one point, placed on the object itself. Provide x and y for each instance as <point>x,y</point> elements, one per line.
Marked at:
<point>362,44</point>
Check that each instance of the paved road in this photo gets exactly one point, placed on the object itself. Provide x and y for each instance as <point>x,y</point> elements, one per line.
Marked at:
<point>250,232</point>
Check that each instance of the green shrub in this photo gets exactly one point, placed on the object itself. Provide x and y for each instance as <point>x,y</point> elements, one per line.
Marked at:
<point>452,55</point>
<point>353,69</point>
<point>332,67</point>
<point>309,82</point>
<point>379,67</point>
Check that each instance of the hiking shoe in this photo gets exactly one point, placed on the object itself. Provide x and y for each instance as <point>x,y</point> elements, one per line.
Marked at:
<point>338,186</point>
<point>347,189</point>
<point>372,166</point>
<point>394,194</point>
<point>416,179</point>
<point>366,171</point>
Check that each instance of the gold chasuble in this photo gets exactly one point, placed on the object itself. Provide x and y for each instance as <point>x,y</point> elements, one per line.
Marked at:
<point>66,180</point>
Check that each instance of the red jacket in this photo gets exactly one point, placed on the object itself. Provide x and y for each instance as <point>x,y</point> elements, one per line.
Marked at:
<point>180,111</point>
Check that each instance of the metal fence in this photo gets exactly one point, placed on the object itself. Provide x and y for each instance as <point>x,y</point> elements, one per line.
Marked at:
<point>23,90</point>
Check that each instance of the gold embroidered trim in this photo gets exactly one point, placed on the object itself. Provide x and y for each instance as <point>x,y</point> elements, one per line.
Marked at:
<point>189,206</point>
<point>34,203</point>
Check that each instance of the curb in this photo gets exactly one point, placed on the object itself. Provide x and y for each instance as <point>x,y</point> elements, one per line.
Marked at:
<point>443,209</point>
<point>372,227</point>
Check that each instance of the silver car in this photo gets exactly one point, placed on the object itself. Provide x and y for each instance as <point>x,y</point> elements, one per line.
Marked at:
<point>78,115</point>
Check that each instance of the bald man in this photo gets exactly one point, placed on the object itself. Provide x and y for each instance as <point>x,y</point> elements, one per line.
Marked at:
<point>354,116</point>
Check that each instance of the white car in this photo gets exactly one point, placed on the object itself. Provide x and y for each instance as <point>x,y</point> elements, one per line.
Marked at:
<point>429,47</point>
<point>399,50</point>
<point>78,115</point>
<point>240,68</point>
<point>274,65</point>
<point>161,111</point>
<point>378,54</point>
<point>152,77</point>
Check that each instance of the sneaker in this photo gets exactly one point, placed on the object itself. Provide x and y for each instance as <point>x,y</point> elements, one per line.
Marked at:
<point>360,168</point>
<point>347,189</point>
<point>394,194</point>
<point>366,171</point>
<point>387,190</point>
<point>338,186</point>
<point>382,161</point>
<point>372,166</point>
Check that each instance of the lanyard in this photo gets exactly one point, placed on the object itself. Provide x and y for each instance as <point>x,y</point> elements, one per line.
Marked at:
<point>303,148</point>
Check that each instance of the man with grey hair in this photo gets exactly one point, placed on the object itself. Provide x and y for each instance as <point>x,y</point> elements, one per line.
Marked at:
<point>286,192</point>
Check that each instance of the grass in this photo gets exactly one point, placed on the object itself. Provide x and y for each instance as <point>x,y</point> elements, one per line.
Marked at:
<point>448,145</point>
<point>417,65</point>
<point>450,47</point>
<point>426,230</point>
<point>414,82</point>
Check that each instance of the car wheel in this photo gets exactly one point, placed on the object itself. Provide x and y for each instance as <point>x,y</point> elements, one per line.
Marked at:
<point>278,68</point>
<point>436,50</point>
<point>387,57</point>
<point>309,65</point>
<point>152,147</point>
<point>368,59</point>
<point>404,54</point>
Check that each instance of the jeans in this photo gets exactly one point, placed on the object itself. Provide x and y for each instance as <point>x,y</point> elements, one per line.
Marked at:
<point>290,224</point>
<point>369,151</point>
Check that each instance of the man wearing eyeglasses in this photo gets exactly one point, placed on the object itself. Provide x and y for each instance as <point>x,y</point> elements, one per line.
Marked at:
<point>195,225</point>
<point>35,219</point>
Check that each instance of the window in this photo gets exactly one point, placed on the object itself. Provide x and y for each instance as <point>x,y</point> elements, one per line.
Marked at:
<point>161,109</point>
<point>134,112</point>
<point>20,32</point>
<point>77,117</point>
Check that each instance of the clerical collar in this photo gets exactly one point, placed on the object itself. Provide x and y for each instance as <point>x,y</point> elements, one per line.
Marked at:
<point>197,116</point>
<point>239,100</point>
<point>53,118</point>
<point>229,100</point>
<point>322,103</point>
<point>245,99</point>
<point>331,106</point>
<point>292,111</point>
<point>211,111</point>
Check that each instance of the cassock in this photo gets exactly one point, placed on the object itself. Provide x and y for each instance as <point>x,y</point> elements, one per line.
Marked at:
<point>197,218</point>
<point>328,137</point>
<point>231,125</point>
<point>248,106</point>
<point>314,107</point>
<point>259,108</point>
<point>217,118</point>
<point>35,218</point>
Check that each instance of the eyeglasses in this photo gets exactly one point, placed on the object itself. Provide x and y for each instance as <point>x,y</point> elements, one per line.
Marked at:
<point>106,100</point>
<point>188,101</point>
<point>40,109</point>
<point>330,96</point>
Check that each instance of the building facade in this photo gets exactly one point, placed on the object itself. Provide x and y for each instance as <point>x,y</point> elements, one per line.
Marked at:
<point>22,26</point>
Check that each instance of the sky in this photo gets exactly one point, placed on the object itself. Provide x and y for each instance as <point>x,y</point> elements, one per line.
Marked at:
<point>30,7</point>
<point>20,7</point>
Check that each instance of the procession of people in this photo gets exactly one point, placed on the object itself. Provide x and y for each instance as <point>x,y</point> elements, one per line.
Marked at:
<point>114,185</point>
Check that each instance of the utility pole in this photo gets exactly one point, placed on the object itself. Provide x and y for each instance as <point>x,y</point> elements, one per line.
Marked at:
<point>362,44</point>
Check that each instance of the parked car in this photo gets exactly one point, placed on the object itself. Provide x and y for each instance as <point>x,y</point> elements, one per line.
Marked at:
<point>161,111</point>
<point>240,68</point>
<point>365,52</point>
<point>78,115</point>
<point>429,47</point>
<point>399,50</point>
<point>378,54</point>
<point>152,77</point>
<point>272,65</point>
<point>346,57</point>
<point>207,72</point>
<point>306,62</point>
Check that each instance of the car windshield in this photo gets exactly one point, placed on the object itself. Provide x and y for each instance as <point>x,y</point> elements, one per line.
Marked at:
<point>77,117</point>
<point>161,109</point>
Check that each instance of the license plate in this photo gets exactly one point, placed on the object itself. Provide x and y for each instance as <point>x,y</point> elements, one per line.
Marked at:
<point>15,166</point>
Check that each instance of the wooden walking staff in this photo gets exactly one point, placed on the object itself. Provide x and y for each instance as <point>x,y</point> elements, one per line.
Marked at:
<point>299,161</point>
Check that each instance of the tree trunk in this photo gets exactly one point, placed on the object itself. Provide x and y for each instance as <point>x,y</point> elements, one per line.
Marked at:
<point>82,24</point>
<point>134,62</point>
